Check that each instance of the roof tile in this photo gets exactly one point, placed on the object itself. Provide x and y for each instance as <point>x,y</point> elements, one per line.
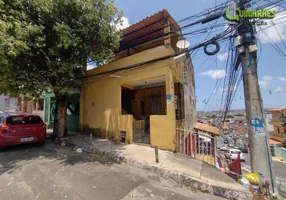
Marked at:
<point>204,127</point>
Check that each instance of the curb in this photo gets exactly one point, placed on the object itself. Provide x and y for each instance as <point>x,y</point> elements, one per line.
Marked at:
<point>246,169</point>
<point>166,173</point>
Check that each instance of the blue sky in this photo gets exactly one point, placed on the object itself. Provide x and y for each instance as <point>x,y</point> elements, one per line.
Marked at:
<point>209,70</point>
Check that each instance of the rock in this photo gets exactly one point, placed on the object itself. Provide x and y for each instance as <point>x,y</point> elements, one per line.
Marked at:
<point>79,150</point>
<point>148,190</point>
<point>63,143</point>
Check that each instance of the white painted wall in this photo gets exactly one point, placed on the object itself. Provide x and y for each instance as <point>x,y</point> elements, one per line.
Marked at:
<point>268,118</point>
<point>10,104</point>
<point>2,103</point>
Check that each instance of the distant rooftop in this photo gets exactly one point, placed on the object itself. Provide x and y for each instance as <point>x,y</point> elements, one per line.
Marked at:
<point>204,127</point>
<point>277,109</point>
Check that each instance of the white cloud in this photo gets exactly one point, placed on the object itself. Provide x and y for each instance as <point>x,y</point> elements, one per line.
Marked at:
<point>271,30</point>
<point>282,79</point>
<point>278,89</point>
<point>263,84</point>
<point>265,81</point>
<point>214,74</point>
<point>123,24</point>
<point>267,78</point>
<point>222,56</point>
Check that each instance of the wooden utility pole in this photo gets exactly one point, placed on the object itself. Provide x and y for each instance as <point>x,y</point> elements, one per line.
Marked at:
<point>260,155</point>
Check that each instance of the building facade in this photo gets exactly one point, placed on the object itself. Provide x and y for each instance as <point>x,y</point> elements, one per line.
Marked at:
<point>21,104</point>
<point>8,104</point>
<point>140,97</point>
<point>279,125</point>
<point>29,104</point>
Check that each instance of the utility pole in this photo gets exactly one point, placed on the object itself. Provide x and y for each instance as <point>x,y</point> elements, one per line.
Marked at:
<point>260,155</point>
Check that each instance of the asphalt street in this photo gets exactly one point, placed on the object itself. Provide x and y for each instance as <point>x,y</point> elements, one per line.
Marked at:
<point>52,172</point>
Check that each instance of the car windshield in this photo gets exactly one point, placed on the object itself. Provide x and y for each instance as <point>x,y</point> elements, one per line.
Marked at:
<point>235,152</point>
<point>24,120</point>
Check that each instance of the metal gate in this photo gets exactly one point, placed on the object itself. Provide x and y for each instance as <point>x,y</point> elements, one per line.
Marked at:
<point>141,131</point>
<point>196,144</point>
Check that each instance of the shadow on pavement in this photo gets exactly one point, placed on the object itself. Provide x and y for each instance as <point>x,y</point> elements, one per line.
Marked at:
<point>12,157</point>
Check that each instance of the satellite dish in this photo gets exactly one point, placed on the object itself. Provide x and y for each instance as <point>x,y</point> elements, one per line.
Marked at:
<point>183,44</point>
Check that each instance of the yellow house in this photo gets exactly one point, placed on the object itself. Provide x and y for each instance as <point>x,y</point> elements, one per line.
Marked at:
<point>139,96</point>
<point>279,124</point>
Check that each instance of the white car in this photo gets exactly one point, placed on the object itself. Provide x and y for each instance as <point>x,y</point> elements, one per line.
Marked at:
<point>232,154</point>
<point>223,148</point>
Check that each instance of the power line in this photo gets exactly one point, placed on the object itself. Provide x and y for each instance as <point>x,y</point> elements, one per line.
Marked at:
<point>269,5</point>
<point>218,82</point>
<point>226,71</point>
<point>278,31</point>
<point>206,12</point>
<point>207,35</point>
<point>277,3</point>
<point>273,44</point>
<point>209,102</point>
<point>260,51</point>
<point>191,49</point>
<point>279,35</point>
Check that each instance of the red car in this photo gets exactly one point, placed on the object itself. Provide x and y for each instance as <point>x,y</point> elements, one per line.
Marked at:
<point>18,128</point>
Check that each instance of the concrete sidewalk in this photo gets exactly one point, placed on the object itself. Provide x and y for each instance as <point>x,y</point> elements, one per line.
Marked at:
<point>278,159</point>
<point>189,172</point>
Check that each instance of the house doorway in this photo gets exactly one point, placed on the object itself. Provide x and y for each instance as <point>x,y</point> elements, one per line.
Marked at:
<point>143,99</point>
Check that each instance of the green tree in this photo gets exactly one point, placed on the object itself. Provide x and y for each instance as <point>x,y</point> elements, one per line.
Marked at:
<point>45,44</point>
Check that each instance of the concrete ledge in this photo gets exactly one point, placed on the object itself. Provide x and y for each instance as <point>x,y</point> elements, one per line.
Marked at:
<point>185,180</point>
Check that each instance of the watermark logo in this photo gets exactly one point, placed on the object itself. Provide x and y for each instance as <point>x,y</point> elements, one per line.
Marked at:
<point>249,14</point>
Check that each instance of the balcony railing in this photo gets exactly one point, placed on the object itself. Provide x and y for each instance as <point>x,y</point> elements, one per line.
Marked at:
<point>281,119</point>
<point>278,137</point>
